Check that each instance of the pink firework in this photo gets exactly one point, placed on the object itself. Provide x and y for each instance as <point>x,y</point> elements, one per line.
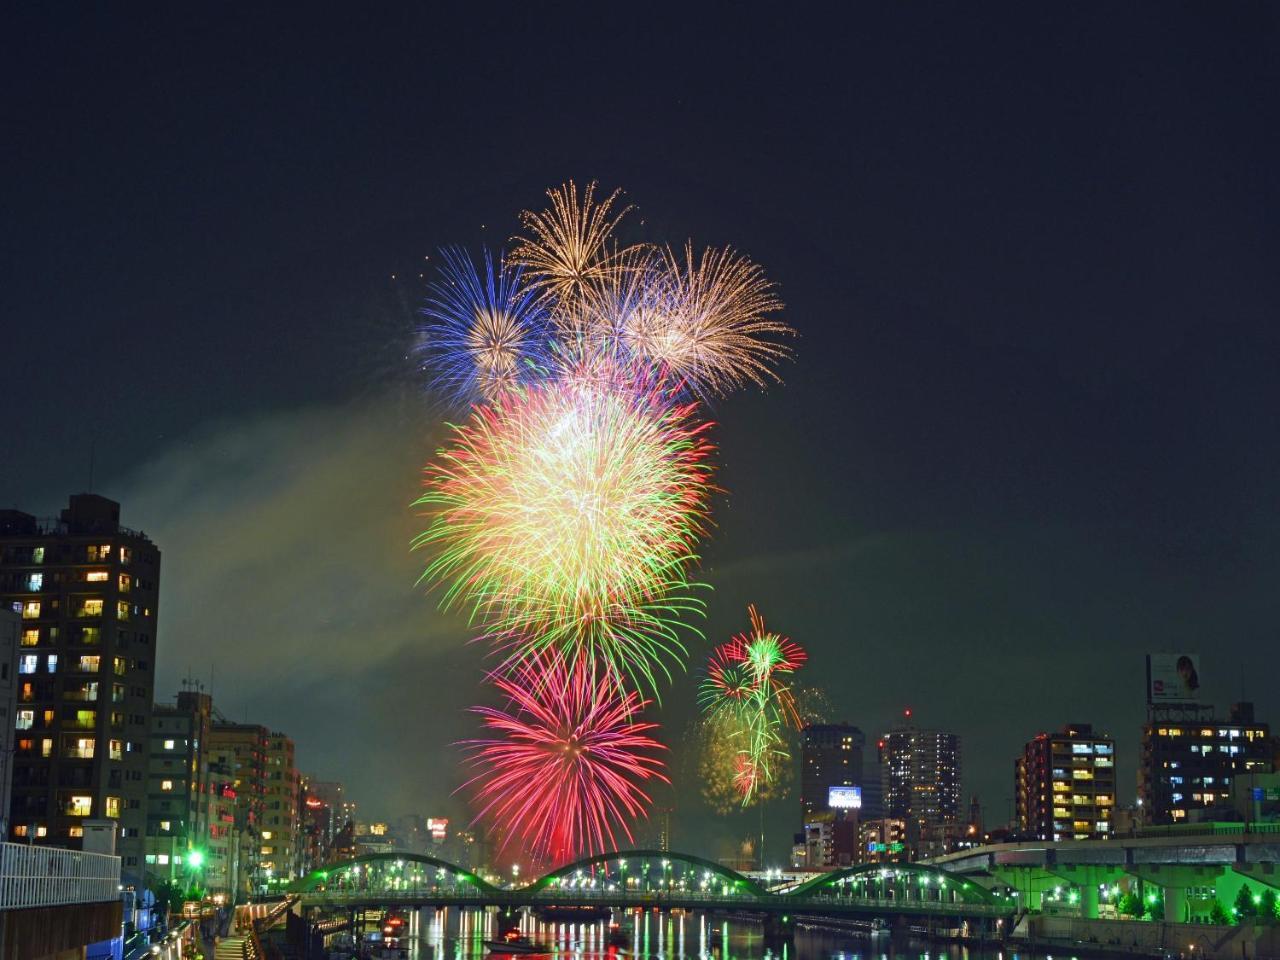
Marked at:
<point>563,768</point>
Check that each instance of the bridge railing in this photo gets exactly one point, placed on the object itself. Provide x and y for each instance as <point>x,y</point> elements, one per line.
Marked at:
<point>620,898</point>
<point>32,876</point>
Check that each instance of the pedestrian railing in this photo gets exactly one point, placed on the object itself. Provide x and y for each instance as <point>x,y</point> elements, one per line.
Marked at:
<point>32,876</point>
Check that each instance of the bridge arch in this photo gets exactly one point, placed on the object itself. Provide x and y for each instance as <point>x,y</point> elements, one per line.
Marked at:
<point>905,881</point>
<point>644,870</point>
<point>389,872</point>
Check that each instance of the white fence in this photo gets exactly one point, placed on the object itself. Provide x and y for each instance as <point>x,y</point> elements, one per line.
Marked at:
<point>33,876</point>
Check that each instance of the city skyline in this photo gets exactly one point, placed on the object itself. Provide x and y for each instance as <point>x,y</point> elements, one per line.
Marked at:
<point>1165,687</point>
<point>1016,450</point>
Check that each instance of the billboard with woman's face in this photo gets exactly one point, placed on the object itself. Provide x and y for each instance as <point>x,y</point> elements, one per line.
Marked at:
<point>1173,678</point>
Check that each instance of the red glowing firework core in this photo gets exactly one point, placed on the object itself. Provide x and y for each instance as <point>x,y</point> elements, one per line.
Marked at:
<point>562,770</point>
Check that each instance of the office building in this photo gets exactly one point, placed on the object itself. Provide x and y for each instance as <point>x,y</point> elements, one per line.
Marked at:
<point>1065,785</point>
<point>920,775</point>
<point>831,756</point>
<point>86,589</point>
<point>1191,760</point>
<point>178,790</point>
<point>241,749</point>
<point>882,841</point>
<point>10,630</point>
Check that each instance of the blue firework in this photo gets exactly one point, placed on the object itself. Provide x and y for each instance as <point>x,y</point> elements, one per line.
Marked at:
<point>483,331</point>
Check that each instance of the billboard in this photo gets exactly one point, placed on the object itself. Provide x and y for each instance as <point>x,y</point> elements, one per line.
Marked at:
<point>438,827</point>
<point>844,798</point>
<point>1173,678</point>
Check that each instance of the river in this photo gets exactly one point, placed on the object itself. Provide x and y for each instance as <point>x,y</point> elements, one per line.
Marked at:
<point>443,935</point>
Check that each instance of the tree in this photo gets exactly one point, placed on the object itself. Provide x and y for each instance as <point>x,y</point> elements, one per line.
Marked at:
<point>1246,907</point>
<point>1155,907</point>
<point>1270,909</point>
<point>1218,914</point>
<point>1129,905</point>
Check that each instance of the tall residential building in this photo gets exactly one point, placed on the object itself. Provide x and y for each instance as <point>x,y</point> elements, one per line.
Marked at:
<point>10,630</point>
<point>1065,785</point>
<point>178,790</point>
<point>86,589</point>
<point>920,774</point>
<point>222,854</point>
<point>241,749</point>
<point>1190,759</point>
<point>831,756</point>
<point>315,824</point>
<point>281,836</point>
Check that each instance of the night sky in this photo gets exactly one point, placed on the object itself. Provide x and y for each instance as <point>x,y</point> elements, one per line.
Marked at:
<point>1028,436</point>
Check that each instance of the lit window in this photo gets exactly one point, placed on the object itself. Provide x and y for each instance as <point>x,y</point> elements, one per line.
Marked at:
<point>89,663</point>
<point>37,555</point>
<point>79,806</point>
<point>52,663</point>
<point>166,825</point>
<point>120,663</point>
<point>30,638</point>
<point>20,830</point>
<point>125,582</point>
<point>86,719</point>
<point>113,807</point>
<point>81,748</point>
<point>122,610</point>
<point>97,576</point>
<point>125,554</point>
<point>166,784</point>
<point>168,744</point>
<point>162,859</point>
<point>115,750</point>
<point>266,834</point>
<point>46,747</point>
<point>26,719</point>
<point>42,831</point>
<point>31,610</point>
<point>35,582</point>
<point>91,607</point>
<point>28,663</point>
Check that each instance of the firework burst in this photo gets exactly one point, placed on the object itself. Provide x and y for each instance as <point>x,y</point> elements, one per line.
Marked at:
<point>746,693</point>
<point>569,249</point>
<point>484,332</point>
<point>708,321</point>
<point>563,767</point>
<point>565,517</point>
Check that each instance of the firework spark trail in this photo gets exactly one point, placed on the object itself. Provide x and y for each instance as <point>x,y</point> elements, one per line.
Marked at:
<point>563,767</point>
<point>569,249</point>
<point>565,517</point>
<point>744,689</point>
<point>709,321</point>
<point>484,332</point>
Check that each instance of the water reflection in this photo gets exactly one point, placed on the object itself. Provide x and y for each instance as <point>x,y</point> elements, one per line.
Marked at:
<point>460,935</point>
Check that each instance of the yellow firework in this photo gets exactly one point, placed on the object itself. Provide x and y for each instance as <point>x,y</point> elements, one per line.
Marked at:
<point>711,321</point>
<point>568,248</point>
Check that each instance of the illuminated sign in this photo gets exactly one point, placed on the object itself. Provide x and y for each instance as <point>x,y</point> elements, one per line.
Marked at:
<point>438,827</point>
<point>1173,678</point>
<point>844,798</point>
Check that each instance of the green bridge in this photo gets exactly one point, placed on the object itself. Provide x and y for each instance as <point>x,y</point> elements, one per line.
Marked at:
<point>655,879</point>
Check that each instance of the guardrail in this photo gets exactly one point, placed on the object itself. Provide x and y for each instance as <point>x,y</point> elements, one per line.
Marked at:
<point>32,876</point>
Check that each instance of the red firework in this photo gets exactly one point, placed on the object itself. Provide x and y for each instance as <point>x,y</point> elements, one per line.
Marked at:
<point>563,767</point>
